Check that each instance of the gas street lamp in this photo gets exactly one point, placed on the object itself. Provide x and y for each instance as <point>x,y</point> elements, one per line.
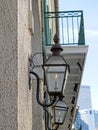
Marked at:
<point>56,70</point>
<point>60,111</point>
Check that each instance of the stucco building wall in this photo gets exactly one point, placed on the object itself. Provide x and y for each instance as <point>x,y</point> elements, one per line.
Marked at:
<point>18,107</point>
<point>23,52</point>
<point>8,65</point>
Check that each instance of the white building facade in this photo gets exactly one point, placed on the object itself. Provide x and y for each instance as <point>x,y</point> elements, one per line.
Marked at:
<point>87,117</point>
<point>84,99</point>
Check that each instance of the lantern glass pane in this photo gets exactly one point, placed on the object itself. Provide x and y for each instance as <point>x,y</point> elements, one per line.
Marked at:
<point>55,81</point>
<point>59,115</point>
<point>60,111</point>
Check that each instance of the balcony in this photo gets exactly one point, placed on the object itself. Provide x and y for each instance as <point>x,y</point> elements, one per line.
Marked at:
<point>68,24</point>
<point>70,27</point>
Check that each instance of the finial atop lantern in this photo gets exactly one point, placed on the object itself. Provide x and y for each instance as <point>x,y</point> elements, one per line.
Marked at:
<point>56,48</point>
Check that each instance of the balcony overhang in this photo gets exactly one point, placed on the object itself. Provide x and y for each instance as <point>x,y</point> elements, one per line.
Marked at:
<point>75,57</point>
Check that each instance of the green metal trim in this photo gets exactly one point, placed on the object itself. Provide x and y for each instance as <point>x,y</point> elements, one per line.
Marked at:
<point>69,22</point>
<point>81,40</point>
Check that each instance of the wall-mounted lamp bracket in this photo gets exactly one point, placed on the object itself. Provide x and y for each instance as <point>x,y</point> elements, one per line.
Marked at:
<point>37,93</point>
<point>57,125</point>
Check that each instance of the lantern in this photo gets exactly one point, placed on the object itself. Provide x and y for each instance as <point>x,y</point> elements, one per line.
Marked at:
<point>56,70</point>
<point>60,111</point>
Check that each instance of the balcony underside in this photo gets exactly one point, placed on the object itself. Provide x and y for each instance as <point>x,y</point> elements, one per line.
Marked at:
<point>75,57</point>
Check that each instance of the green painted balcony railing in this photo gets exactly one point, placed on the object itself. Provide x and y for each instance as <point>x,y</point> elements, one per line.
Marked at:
<point>69,25</point>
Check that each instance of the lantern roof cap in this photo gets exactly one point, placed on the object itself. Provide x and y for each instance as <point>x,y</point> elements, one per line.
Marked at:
<point>56,46</point>
<point>61,103</point>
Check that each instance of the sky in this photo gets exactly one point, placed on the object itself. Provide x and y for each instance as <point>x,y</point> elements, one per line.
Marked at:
<point>90,74</point>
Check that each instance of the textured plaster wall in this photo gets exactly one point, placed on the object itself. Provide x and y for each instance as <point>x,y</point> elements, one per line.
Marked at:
<point>18,106</point>
<point>30,114</point>
<point>24,51</point>
<point>38,116</point>
<point>8,65</point>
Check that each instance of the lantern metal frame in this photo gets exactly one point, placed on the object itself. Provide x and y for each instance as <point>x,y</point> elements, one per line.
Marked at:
<point>62,107</point>
<point>57,58</point>
<point>56,124</point>
<point>57,93</point>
